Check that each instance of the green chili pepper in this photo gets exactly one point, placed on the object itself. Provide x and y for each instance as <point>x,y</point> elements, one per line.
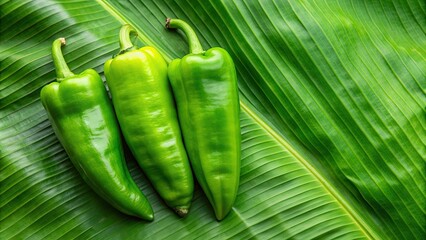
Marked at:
<point>143,102</point>
<point>83,119</point>
<point>204,84</point>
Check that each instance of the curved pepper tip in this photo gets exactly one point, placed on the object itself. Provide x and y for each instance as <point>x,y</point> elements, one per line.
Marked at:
<point>181,211</point>
<point>144,212</point>
<point>147,216</point>
<point>222,213</point>
<point>150,217</point>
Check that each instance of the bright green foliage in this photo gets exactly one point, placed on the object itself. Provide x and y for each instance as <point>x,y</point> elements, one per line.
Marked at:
<point>333,117</point>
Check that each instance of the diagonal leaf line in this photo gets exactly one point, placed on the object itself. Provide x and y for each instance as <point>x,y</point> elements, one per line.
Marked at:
<point>384,143</point>
<point>152,24</point>
<point>350,212</point>
<point>305,201</point>
<point>49,146</point>
<point>41,140</point>
<point>367,66</point>
<point>390,97</point>
<point>324,75</point>
<point>70,221</point>
<point>34,207</point>
<point>14,190</point>
<point>364,149</point>
<point>67,223</point>
<point>72,199</point>
<point>77,236</point>
<point>245,222</point>
<point>412,12</point>
<point>24,53</point>
<point>402,62</point>
<point>403,24</point>
<point>369,70</point>
<point>339,200</point>
<point>11,25</point>
<point>379,30</point>
<point>158,231</point>
<point>318,223</point>
<point>258,118</point>
<point>123,20</point>
<point>396,76</point>
<point>290,189</point>
<point>40,136</point>
<point>107,227</point>
<point>199,27</point>
<point>269,87</point>
<point>5,127</point>
<point>230,44</point>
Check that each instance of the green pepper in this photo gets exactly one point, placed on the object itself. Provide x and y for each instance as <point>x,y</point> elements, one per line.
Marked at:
<point>143,102</point>
<point>205,87</point>
<point>83,119</point>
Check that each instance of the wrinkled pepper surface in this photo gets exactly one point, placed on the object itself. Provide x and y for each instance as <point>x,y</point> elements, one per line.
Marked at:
<point>204,84</point>
<point>83,119</point>
<point>143,102</point>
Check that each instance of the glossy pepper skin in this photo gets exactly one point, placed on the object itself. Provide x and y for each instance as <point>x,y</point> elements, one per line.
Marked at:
<point>83,119</point>
<point>143,102</point>
<point>204,84</point>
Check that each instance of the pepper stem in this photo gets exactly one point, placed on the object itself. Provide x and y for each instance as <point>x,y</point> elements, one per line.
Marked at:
<point>125,42</point>
<point>62,69</point>
<point>194,43</point>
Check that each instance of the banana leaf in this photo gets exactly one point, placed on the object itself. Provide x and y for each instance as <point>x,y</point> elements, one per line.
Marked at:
<point>333,120</point>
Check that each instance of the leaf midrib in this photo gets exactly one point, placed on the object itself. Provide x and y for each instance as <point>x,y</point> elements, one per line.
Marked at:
<point>368,232</point>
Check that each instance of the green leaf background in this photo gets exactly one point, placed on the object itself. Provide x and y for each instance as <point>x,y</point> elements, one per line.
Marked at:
<point>332,118</point>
